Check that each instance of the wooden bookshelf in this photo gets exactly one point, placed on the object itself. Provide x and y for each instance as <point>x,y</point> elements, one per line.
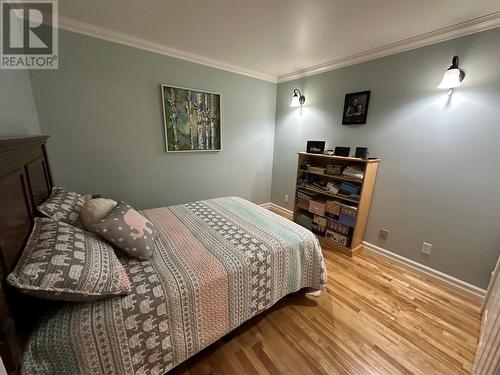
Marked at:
<point>362,203</point>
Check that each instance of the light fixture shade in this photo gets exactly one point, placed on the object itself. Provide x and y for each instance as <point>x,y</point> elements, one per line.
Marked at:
<point>451,79</point>
<point>295,101</point>
<point>453,76</point>
<point>298,99</point>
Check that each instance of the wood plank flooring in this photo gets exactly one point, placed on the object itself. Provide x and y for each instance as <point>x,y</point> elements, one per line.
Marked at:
<point>375,318</point>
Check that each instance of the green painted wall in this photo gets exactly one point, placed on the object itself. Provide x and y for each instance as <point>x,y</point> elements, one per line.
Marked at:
<point>437,182</point>
<point>17,108</point>
<point>439,178</point>
<point>103,111</point>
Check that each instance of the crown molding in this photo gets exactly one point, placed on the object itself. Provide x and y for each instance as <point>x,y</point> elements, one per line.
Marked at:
<point>79,27</point>
<point>475,25</point>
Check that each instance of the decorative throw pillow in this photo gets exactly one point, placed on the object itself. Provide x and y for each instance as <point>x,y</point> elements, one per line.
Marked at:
<point>64,205</point>
<point>127,229</point>
<point>63,262</point>
<point>94,211</point>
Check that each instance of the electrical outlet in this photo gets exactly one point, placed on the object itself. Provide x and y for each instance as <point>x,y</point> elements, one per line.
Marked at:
<point>383,233</point>
<point>426,248</point>
<point>286,198</point>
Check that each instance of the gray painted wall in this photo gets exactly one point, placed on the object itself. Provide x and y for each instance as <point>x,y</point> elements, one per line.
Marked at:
<point>439,177</point>
<point>438,180</point>
<point>103,111</point>
<point>17,108</point>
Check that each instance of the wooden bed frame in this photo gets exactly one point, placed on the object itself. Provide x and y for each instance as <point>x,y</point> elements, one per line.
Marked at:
<point>25,181</point>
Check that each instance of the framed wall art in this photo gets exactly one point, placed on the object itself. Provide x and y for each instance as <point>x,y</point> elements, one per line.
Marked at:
<point>192,119</point>
<point>356,108</point>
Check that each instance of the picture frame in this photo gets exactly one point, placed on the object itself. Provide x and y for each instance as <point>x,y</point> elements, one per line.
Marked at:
<point>342,151</point>
<point>192,119</point>
<point>315,147</point>
<point>356,108</point>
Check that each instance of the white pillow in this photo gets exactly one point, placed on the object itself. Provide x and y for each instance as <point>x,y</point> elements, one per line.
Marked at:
<point>94,211</point>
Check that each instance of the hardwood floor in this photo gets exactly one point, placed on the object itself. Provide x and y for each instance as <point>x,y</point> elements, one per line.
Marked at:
<point>375,318</point>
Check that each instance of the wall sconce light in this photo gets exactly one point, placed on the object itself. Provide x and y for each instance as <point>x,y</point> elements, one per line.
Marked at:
<point>453,77</point>
<point>298,99</point>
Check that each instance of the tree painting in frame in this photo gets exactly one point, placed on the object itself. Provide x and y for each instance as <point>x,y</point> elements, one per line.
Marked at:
<point>192,119</point>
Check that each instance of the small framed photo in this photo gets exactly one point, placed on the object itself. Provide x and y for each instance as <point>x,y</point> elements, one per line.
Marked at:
<point>315,147</point>
<point>356,108</point>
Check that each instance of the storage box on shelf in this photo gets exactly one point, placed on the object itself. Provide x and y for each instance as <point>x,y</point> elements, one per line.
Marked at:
<point>317,207</point>
<point>337,237</point>
<point>335,212</point>
<point>348,215</point>
<point>304,220</point>
<point>317,170</point>
<point>333,207</point>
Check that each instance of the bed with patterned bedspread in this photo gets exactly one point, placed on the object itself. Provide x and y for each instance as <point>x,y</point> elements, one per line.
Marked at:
<point>217,263</point>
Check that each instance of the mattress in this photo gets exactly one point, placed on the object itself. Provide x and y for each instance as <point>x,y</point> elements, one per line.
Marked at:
<point>217,263</point>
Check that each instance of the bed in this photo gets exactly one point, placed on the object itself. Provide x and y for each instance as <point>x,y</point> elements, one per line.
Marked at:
<point>216,264</point>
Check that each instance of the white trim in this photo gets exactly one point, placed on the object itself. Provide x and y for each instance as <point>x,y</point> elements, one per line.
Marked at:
<point>475,25</point>
<point>73,25</point>
<point>473,292</point>
<point>460,286</point>
<point>282,210</point>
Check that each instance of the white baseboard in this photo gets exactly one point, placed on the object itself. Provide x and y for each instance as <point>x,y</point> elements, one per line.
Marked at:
<point>282,210</point>
<point>473,292</point>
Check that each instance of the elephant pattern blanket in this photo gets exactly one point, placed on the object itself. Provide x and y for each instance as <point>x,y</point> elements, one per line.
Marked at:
<point>216,264</point>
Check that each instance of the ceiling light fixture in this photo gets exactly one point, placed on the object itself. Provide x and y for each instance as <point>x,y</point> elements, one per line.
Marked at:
<point>298,99</point>
<point>453,77</point>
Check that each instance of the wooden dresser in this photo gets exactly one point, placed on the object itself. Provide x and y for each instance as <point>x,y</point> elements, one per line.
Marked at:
<point>338,218</point>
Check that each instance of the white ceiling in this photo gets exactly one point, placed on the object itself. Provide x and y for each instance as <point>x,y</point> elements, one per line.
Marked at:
<point>270,38</point>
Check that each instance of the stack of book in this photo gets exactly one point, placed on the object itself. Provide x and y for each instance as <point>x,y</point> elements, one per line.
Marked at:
<point>354,171</point>
<point>349,190</point>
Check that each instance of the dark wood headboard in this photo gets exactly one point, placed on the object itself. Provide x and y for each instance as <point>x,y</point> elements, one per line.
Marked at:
<point>25,182</point>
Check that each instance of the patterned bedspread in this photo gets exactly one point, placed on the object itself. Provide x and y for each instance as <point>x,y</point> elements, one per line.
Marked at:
<point>217,264</point>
